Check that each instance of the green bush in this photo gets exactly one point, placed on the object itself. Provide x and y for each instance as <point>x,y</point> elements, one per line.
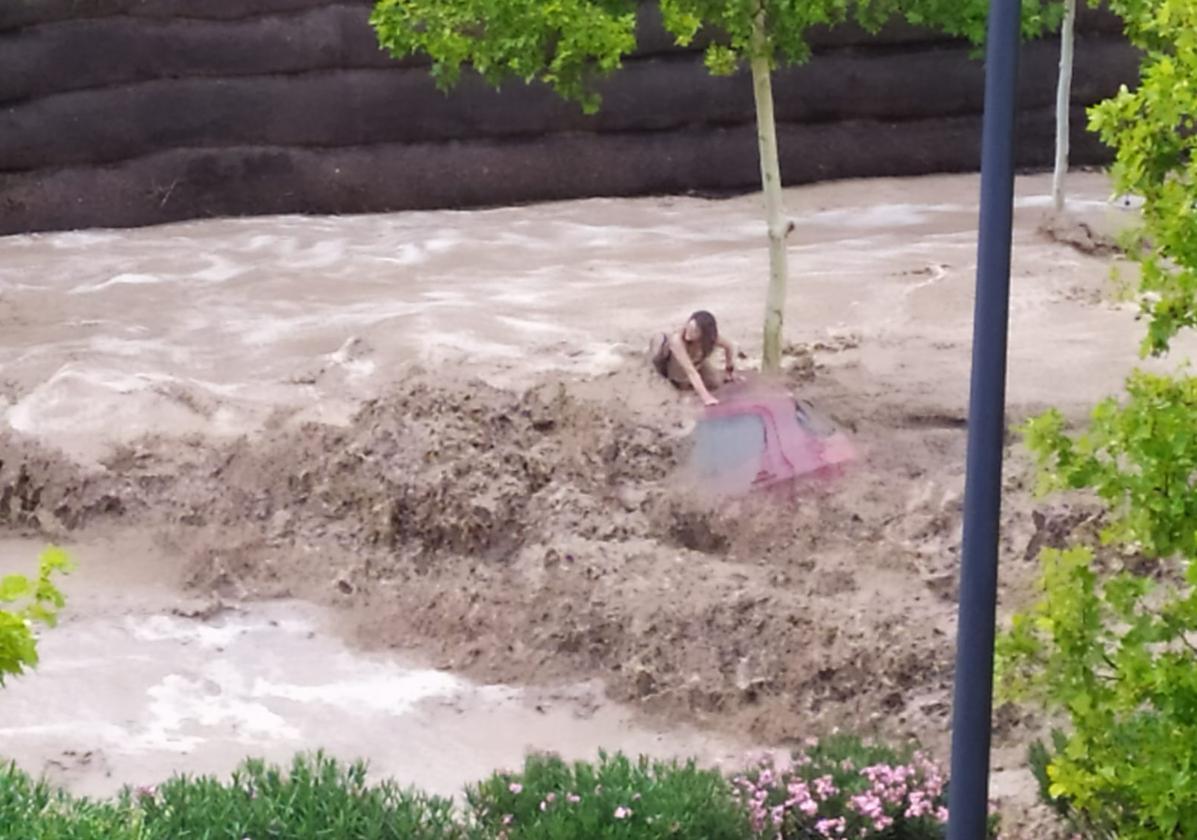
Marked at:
<point>318,798</point>
<point>1108,645</point>
<point>33,810</point>
<point>613,798</point>
<point>1112,651</point>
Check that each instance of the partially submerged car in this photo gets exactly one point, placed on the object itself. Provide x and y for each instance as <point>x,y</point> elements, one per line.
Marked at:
<point>755,440</point>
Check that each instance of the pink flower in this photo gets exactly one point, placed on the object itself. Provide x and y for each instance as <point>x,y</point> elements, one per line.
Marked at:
<point>868,805</point>
<point>920,805</point>
<point>507,819</point>
<point>515,787</point>
<point>573,799</point>
<point>622,813</point>
<point>825,788</point>
<point>831,828</point>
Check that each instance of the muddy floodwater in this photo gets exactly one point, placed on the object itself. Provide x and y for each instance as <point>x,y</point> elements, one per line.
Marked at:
<point>403,487</point>
<point>136,684</point>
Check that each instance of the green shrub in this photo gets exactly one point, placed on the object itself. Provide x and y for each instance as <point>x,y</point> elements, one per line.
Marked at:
<point>549,799</point>
<point>34,810</point>
<point>1108,642</point>
<point>613,798</point>
<point>1112,651</point>
<point>318,798</point>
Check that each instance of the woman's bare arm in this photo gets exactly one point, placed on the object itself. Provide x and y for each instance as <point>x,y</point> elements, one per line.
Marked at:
<point>729,354</point>
<point>678,347</point>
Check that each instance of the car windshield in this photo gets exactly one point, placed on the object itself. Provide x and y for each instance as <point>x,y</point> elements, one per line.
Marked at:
<point>726,446</point>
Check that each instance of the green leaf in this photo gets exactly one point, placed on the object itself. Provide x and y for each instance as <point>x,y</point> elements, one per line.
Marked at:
<point>36,602</point>
<point>14,587</point>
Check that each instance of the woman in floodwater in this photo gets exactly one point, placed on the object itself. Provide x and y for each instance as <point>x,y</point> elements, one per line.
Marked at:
<point>683,357</point>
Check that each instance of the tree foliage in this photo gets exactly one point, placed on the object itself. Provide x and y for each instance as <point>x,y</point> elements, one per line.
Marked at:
<point>969,19</point>
<point>1107,644</point>
<point>33,601</point>
<point>1152,130</point>
<point>570,44</point>
<point>1111,642</point>
<point>1112,650</point>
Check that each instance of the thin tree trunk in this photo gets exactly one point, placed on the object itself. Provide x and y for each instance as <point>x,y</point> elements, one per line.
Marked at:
<point>771,185</point>
<point>1063,103</point>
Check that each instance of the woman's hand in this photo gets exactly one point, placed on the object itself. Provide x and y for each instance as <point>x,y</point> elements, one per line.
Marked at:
<point>708,399</point>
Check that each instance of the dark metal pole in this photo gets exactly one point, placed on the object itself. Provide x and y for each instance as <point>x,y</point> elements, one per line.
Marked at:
<point>972,703</point>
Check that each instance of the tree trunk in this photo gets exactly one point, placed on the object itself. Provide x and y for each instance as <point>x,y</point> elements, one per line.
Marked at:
<point>1063,103</point>
<point>771,185</point>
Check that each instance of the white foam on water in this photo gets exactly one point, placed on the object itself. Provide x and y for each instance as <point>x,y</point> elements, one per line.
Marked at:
<point>527,325</point>
<point>238,680</point>
<point>76,729</point>
<point>120,406</point>
<point>268,329</point>
<point>446,296</point>
<point>443,242</point>
<point>78,239</point>
<point>362,688</point>
<point>120,280</point>
<point>537,299</point>
<point>56,395</point>
<point>405,255</point>
<point>874,216</point>
<point>324,254</point>
<point>166,628</point>
<point>180,704</point>
<point>440,345</point>
<point>23,287</point>
<point>139,348</point>
<point>220,270</point>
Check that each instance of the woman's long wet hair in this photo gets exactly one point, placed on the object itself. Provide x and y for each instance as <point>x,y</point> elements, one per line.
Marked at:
<point>708,331</point>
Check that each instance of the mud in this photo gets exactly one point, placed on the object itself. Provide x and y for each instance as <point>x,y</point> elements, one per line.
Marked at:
<point>440,426</point>
<point>538,536</point>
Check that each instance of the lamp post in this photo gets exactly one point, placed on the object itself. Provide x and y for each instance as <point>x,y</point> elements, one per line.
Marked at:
<point>973,692</point>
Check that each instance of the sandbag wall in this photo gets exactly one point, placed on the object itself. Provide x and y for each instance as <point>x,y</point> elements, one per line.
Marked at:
<point>118,113</point>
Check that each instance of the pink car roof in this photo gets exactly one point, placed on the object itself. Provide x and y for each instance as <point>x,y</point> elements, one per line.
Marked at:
<point>756,441</point>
